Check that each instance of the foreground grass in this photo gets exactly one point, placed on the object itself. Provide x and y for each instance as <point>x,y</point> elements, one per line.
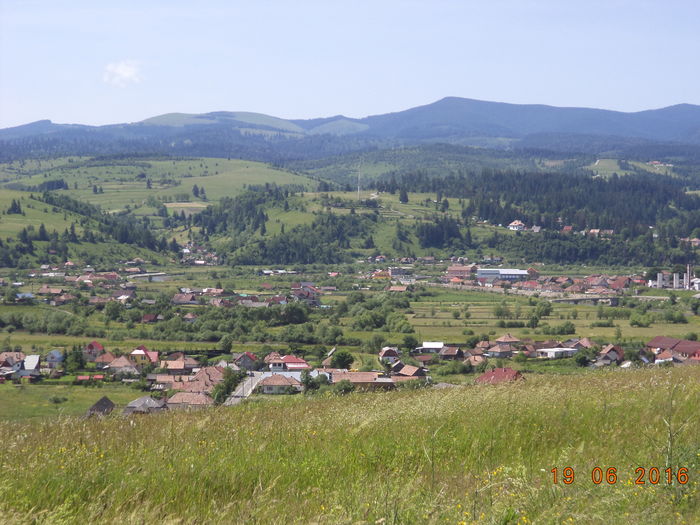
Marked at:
<point>475,454</point>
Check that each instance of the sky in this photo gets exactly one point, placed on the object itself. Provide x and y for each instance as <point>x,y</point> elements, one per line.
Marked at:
<point>97,63</point>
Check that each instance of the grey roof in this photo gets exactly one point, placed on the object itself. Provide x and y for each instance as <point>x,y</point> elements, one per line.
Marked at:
<point>146,402</point>
<point>103,407</point>
<point>145,405</point>
<point>55,355</point>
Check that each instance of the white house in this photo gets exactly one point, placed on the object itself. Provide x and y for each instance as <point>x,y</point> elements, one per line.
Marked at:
<point>516,226</point>
<point>389,354</point>
<point>556,353</point>
<point>430,347</point>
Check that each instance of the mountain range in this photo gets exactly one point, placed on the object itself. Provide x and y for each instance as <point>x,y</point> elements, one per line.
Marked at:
<point>449,120</point>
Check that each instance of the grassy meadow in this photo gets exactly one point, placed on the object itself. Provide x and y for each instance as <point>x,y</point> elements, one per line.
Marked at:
<point>124,182</point>
<point>480,454</point>
<point>22,402</point>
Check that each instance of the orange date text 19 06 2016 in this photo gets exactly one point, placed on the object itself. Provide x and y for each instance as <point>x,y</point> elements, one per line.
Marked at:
<point>609,475</point>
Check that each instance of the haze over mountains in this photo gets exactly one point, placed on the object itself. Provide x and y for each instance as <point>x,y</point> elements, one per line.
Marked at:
<point>450,120</point>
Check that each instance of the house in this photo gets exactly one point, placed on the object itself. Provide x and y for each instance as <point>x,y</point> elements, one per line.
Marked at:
<point>502,350</point>
<point>556,352</point>
<point>389,354</point>
<point>292,362</point>
<point>460,272</point>
<point>475,360</point>
<point>123,365</point>
<point>184,298</point>
<point>516,226</point>
<point>363,380</point>
<point>668,356</point>
<point>103,407</point>
<point>410,371</point>
<point>189,317</point>
<point>579,343</point>
<point>143,357</point>
<point>276,364</point>
<point>608,355</point>
<point>190,400</point>
<point>92,350</point>
<point>687,348</point>
<point>660,343</point>
<point>499,375</point>
<point>430,347</point>
<point>204,380</point>
<point>149,318</point>
<point>246,360</point>
<point>507,339</point>
<point>279,384</point>
<point>28,368</point>
<point>105,359</point>
<point>145,405</point>
<point>62,299</point>
<point>166,381</point>
<point>489,275</point>
<point>11,358</point>
<point>54,359</point>
<point>451,353</point>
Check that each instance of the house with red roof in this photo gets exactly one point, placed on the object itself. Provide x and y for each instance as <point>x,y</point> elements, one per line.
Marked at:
<point>389,354</point>
<point>142,356</point>
<point>499,375</point>
<point>92,350</point>
<point>292,362</point>
<point>247,360</point>
<point>279,384</point>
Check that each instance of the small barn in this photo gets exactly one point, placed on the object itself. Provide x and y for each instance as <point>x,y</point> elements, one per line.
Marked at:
<point>103,407</point>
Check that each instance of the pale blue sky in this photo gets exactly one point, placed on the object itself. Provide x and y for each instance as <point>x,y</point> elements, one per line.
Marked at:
<point>92,63</point>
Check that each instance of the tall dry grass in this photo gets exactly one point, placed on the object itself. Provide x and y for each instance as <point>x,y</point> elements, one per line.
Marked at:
<point>474,454</point>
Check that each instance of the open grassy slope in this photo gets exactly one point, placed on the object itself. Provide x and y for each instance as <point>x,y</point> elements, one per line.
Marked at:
<point>35,214</point>
<point>124,181</point>
<point>463,455</point>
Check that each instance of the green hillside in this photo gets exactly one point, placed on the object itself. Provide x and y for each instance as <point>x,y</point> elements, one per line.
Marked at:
<point>480,454</point>
<point>124,182</point>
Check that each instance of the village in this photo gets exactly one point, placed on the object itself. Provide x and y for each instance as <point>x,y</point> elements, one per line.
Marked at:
<point>176,380</point>
<point>132,295</point>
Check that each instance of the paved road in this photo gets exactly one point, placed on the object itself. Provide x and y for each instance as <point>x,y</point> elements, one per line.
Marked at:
<point>244,389</point>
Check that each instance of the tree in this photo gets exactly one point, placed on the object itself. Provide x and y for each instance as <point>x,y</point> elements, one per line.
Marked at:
<point>195,190</point>
<point>403,196</point>
<point>113,310</point>
<point>229,383</point>
<point>74,361</point>
<point>342,359</point>
<point>226,343</point>
<point>543,309</point>
<point>409,343</point>
<point>343,387</point>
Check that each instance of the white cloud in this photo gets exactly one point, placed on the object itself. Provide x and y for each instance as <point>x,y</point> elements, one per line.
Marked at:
<point>121,73</point>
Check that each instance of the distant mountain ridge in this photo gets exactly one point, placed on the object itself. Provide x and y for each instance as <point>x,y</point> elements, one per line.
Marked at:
<point>449,120</point>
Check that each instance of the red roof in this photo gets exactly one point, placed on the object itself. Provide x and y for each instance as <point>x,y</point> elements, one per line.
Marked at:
<point>663,342</point>
<point>96,345</point>
<point>293,359</point>
<point>83,378</point>
<point>499,375</point>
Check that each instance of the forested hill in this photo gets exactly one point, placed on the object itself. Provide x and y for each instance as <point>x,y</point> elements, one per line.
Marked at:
<point>450,120</point>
